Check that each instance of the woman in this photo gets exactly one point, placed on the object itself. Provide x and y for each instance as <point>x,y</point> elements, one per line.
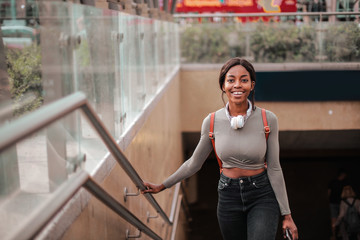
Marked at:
<point>252,195</point>
<point>348,197</point>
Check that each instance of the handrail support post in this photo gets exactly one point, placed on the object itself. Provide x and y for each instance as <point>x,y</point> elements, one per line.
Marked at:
<point>132,236</point>
<point>126,194</point>
<point>149,216</point>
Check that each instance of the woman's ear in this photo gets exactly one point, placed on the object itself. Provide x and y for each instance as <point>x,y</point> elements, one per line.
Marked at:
<point>252,85</point>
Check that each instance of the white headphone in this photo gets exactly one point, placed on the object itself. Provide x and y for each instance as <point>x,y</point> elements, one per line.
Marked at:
<point>237,122</point>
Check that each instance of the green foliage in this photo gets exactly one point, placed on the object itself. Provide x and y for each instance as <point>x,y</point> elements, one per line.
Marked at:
<point>306,49</point>
<point>83,53</point>
<point>271,42</point>
<point>342,42</point>
<point>283,43</point>
<point>206,43</point>
<point>25,77</point>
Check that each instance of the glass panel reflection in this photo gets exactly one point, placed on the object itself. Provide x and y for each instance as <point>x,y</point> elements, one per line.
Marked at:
<point>35,167</point>
<point>21,89</point>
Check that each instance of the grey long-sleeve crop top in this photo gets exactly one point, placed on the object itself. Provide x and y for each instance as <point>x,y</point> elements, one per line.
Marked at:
<point>244,148</point>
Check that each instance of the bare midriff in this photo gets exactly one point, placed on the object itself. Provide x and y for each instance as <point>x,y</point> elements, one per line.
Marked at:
<point>239,172</point>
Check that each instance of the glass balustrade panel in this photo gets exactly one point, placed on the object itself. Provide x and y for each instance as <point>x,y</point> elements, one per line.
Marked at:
<point>52,49</point>
<point>149,58</point>
<point>118,60</point>
<point>33,169</point>
<point>128,69</point>
<point>21,88</point>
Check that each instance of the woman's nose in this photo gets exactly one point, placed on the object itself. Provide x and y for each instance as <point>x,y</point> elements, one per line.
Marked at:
<point>237,84</point>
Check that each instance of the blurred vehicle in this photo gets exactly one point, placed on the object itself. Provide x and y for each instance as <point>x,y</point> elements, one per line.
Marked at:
<point>19,36</point>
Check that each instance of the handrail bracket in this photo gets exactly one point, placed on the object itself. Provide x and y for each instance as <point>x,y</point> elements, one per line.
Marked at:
<point>132,236</point>
<point>126,194</point>
<point>149,216</point>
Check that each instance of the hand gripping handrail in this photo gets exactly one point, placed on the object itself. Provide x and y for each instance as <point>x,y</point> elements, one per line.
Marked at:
<point>25,126</point>
<point>120,158</point>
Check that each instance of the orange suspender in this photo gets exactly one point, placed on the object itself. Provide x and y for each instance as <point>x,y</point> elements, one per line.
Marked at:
<point>212,137</point>
<point>266,126</point>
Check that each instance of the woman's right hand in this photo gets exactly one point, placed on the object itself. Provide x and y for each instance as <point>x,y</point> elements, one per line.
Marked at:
<point>153,188</point>
<point>288,223</point>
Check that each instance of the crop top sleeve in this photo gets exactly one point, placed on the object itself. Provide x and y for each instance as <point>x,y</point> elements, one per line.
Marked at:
<point>274,170</point>
<point>195,162</point>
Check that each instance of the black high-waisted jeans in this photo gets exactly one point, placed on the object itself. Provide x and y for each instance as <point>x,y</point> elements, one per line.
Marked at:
<point>247,208</point>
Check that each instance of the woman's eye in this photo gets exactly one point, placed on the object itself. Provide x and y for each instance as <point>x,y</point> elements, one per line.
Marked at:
<point>230,80</point>
<point>244,80</point>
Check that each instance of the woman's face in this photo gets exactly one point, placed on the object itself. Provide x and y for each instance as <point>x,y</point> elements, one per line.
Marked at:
<point>238,84</point>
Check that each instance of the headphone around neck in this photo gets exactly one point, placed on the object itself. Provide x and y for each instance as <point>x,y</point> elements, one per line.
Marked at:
<point>237,122</point>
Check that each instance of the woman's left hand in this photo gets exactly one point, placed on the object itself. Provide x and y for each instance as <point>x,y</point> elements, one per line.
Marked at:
<point>153,188</point>
<point>288,223</point>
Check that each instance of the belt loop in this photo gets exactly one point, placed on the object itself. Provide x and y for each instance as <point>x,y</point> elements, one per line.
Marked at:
<point>229,180</point>
<point>225,178</point>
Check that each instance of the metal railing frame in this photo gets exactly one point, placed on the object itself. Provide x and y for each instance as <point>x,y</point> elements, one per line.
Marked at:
<point>283,14</point>
<point>29,124</point>
<point>38,220</point>
<point>120,157</point>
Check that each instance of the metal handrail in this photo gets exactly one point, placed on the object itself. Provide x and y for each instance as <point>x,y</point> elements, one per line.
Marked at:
<point>283,14</point>
<point>185,204</point>
<point>33,225</point>
<point>174,202</point>
<point>178,203</point>
<point>29,124</point>
<point>112,203</point>
<point>39,219</point>
<point>120,157</point>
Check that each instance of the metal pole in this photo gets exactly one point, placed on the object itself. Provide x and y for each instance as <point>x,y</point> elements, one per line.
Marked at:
<point>13,9</point>
<point>150,4</point>
<point>156,4</point>
<point>40,218</point>
<point>120,157</point>
<point>165,7</point>
<point>173,6</point>
<point>174,202</point>
<point>109,201</point>
<point>178,204</point>
<point>21,128</point>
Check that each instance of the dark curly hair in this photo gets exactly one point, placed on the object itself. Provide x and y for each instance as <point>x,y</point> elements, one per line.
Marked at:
<point>234,62</point>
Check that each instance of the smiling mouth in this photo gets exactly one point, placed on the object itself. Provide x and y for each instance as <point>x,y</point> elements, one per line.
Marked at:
<point>237,93</point>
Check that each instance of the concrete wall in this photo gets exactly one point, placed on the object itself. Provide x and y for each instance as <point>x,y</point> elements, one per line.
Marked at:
<point>200,95</point>
<point>155,152</point>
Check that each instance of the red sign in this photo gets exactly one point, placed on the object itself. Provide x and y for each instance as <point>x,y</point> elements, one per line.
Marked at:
<point>235,6</point>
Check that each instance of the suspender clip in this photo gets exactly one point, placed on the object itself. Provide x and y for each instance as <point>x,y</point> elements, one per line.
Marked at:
<point>211,135</point>
<point>267,129</point>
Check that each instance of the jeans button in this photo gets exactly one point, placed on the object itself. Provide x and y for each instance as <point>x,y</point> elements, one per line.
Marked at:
<point>241,181</point>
